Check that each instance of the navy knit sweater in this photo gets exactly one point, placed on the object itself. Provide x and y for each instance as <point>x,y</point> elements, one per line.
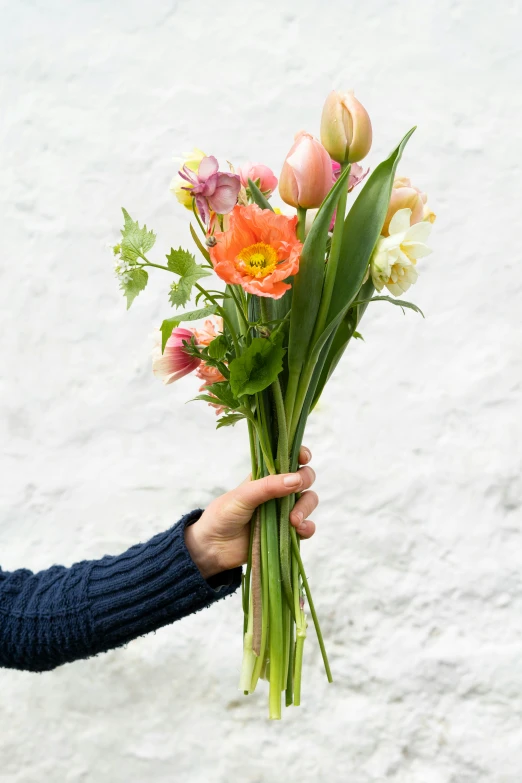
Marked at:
<point>63,614</point>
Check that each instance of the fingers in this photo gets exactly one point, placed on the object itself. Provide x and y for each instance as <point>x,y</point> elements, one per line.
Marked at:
<point>306,504</point>
<point>251,494</point>
<point>305,455</point>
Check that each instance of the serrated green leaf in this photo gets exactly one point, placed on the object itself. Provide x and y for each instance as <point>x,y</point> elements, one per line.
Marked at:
<point>217,349</point>
<point>228,420</point>
<point>258,366</point>
<point>194,315</point>
<point>223,392</point>
<point>183,263</point>
<point>135,241</point>
<point>134,282</point>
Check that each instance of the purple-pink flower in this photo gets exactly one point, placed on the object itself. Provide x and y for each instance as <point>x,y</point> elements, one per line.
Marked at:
<point>214,190</point>
<point>355,177</point>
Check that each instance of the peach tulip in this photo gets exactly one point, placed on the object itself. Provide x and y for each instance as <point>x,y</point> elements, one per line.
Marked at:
<point>405,196</point>
<point>346,130</point>
<point>306,177</point>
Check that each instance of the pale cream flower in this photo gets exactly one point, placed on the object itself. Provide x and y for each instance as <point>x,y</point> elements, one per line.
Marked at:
<point>178,186</point>
<point>394,260</point>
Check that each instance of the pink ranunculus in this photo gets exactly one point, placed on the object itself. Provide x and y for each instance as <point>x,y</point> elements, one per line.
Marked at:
<point>306,177</point>
<point>211,375</point>
<point>209,331</point>
<point>213,190</point>
<point>175,362</point>
<point>261,175</point>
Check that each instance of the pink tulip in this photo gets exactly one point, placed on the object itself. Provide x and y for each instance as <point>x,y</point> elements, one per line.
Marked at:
<point>175,361</point>
<point>346,130</point>
<point>261,175</point>
<point>213,190</point>
<point>306,177</point>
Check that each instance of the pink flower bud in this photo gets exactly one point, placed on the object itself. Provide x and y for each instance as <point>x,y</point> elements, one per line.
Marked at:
<point>175,362</point>
<point>258,171</point>
<point>346,130</point>
<point>306,177</point>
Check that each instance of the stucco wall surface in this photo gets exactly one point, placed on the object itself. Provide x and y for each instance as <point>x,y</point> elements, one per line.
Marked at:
<point>417,561</point>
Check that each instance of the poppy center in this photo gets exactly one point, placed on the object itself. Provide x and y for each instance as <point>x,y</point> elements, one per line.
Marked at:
<point>257,260</point>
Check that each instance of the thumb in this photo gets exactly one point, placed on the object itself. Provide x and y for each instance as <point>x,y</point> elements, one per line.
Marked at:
<point>252,494</point>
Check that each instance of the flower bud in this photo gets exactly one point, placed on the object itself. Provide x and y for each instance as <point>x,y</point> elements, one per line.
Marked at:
<point>306,177</point>
<point>346,130</point>
<point>405,196</point>
<point>260,174</point>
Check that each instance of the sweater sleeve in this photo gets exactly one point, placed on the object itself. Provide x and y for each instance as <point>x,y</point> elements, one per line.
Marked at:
<point>65,614</point>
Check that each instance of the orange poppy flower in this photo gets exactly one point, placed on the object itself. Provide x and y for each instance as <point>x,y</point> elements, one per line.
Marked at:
<point>259,251</point>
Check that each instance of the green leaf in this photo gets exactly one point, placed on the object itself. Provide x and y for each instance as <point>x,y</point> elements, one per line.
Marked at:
<point>135,282</point>
<point>357,336</point>
<point>362,229</point>
<point>218,348</point>
<point>135,241</point>
<point>194,315</point>
<point>258,366</point>
<point>183,263</point>
<point>228,420</point>
<point>398,302</point>
<point>231,313</point>
<point>258,197</point>
<point>338,342</point>
<point>222,391</point>
<point>308,283</point>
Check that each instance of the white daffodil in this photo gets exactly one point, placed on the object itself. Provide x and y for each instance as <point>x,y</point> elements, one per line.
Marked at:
<point>395,256</point>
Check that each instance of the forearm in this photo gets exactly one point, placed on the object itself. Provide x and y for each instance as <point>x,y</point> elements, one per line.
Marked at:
<point>62,615</point>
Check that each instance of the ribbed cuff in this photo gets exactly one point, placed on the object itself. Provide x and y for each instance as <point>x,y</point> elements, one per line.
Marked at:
<point>151,585</point>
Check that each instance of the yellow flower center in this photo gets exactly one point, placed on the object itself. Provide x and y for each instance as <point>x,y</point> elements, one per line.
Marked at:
<point>258,260</point>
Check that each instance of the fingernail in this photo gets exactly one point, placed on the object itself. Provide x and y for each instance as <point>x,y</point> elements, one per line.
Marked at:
<point>308,453</point>
<point>292,480</point>
<point>302,527</point>
<point>299,516</point>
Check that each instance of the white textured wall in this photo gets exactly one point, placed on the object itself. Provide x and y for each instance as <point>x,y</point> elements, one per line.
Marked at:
<point>418,556</point>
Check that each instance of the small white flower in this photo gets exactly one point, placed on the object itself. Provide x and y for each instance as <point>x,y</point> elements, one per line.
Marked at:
<point>395,256</point>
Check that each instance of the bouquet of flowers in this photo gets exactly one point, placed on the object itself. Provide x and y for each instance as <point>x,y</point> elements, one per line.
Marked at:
<point>297,283</point>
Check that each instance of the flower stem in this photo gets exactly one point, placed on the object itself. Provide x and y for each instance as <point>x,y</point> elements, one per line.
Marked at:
<point>275,613</point>
<point>284,521</point>
<point>301,222</point>
<point>297,554</point>
<point>260,662</point>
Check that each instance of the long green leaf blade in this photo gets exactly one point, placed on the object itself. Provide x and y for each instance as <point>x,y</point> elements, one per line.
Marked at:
<point>362,229</point>
<point>308,283</point>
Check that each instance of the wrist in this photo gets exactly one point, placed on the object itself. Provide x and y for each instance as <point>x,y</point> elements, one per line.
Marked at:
<point>200,551</point>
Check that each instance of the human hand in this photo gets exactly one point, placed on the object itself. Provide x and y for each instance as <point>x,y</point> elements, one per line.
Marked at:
<point>219,540</point>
